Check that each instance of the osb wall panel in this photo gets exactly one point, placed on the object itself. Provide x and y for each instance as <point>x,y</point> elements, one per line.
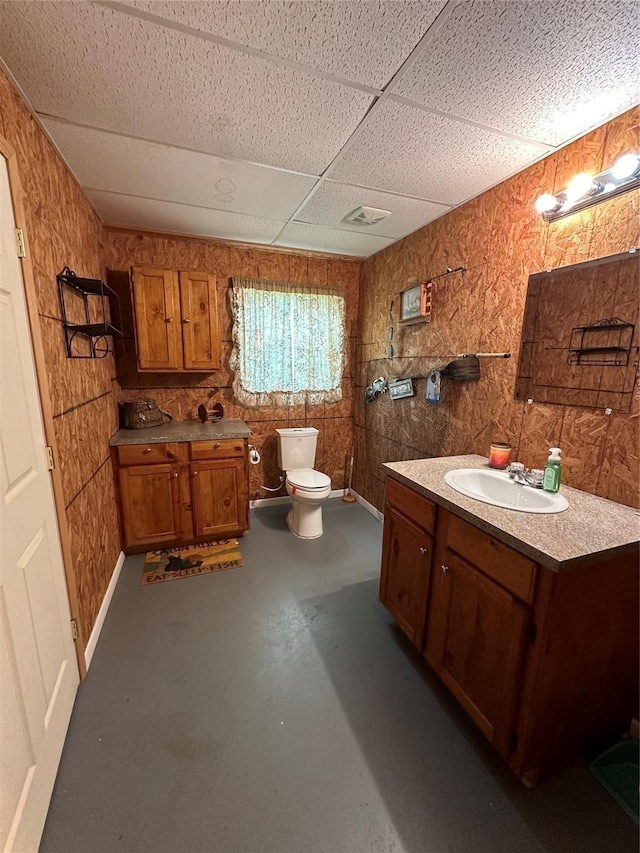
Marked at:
<point>181,394</point>
<point>501,240</point>
<point>62,229</point>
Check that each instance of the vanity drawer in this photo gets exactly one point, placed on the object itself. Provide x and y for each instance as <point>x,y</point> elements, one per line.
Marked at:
<point>512,570</point>
<point>145,454</point>
<point>221,448</point>
<point>413,506</point>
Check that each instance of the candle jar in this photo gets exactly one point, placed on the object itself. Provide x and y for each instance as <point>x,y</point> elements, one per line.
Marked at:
<point>499,454</point>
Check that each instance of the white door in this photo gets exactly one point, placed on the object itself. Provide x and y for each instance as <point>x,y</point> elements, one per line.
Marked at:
<point>38,669</point>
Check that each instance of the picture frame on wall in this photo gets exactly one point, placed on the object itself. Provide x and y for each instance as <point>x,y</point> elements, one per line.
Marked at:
<point>415,303</point>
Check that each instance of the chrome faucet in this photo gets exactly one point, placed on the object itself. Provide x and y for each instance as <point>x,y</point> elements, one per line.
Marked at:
<point>525,477</point>
<point>519,477</point>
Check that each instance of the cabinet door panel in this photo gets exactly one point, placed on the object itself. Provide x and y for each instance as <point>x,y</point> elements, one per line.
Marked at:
<point>483,646</point>
<point>150,504</point>
<point>404,581</point>
<point>219,496</point>
<point>201,342</point>
<point>157,318</point>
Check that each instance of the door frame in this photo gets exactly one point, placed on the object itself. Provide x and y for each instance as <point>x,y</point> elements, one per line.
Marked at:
<point>17,195</point>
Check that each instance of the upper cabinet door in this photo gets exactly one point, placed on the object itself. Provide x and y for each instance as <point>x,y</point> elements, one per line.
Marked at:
<point>158,319</point>
<point>201,340</point>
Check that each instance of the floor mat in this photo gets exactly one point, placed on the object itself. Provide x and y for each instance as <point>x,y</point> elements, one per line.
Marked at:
<point>618,772</point>
<point>190,560</point>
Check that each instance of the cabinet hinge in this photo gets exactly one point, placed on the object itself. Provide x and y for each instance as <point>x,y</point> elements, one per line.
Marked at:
<point>532,634</point>
<point>74,629</point>
<point>512,743</point>
<point>20,243</point>
<point>50,460</point>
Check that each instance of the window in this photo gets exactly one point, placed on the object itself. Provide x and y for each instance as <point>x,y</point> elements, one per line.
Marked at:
<point>288,342</point>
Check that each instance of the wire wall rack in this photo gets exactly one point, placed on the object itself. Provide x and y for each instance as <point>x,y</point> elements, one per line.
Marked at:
<point>96,332</point>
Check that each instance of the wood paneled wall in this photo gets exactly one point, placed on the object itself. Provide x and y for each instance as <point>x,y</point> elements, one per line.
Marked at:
<point>181,394</point>
<point>501,240</point>
<point>62,229</point>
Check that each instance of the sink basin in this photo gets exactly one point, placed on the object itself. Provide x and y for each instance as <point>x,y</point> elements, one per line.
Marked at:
<point>498,489</point>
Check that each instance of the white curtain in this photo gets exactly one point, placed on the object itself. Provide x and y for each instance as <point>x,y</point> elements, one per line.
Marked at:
<point>289,342</point>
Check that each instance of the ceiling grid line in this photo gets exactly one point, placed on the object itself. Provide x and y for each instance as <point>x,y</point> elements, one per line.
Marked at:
<point>425,39</point>
<point>125,9</point>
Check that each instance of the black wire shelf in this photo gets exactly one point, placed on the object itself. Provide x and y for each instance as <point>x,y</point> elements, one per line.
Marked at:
<point>96,333</point>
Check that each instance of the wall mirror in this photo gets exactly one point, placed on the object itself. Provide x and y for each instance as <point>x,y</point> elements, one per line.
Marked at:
<point>580,332</point>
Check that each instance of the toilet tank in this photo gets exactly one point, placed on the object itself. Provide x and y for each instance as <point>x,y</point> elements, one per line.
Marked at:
<point>297,448</point>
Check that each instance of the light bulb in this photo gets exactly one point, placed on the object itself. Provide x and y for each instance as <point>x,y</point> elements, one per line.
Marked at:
<point>579,187</point>
<point>546,203</point>
<point>625,166</point>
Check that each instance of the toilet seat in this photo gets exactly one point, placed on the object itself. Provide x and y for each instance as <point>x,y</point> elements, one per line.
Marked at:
<point>308,479</point>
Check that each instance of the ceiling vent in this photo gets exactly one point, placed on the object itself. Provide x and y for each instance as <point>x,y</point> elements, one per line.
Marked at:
<point>366,216</point>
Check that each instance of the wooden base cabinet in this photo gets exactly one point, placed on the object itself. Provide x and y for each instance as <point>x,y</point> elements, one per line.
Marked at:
<point>150,504</point>
<point>544,662</point>
<point>219,496</point>
<point>404,580</point>
<point>181,493</point>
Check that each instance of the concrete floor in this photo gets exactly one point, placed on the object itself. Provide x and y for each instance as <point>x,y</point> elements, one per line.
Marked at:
<point>275,708</point>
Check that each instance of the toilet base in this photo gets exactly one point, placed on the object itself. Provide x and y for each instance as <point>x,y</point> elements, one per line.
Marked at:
<point>305,520</point>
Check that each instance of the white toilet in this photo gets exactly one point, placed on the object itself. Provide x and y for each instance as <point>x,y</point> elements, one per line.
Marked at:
<point>308,488</point>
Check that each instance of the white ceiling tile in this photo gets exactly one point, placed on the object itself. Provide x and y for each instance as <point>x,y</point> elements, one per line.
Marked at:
<point>118,209</point>
<point>106,161</point>
<point>405,149</point>
<point>95,66</point>
<point>300,235</point>
<point>360,40</point>
<point>544,70</point>
<point>332,202</point>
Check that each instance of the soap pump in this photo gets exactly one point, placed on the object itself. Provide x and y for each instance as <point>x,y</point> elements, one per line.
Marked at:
<point>552,471</point>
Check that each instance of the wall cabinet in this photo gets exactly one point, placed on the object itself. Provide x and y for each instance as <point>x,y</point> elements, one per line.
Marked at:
<point>532,655</point>
<point>176,320</point>
<point>181,493</point>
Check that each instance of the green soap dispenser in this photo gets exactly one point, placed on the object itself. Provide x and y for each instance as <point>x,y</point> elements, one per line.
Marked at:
<point>552,471</point>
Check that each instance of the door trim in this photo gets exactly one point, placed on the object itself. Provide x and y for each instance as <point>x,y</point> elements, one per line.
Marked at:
<point>17,194</point>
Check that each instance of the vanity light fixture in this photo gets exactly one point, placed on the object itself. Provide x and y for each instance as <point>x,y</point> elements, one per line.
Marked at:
<point>586,190</point>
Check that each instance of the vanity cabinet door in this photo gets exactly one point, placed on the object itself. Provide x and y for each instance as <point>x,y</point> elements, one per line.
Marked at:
<point>477,644</point>
<point>220,504</point>
<point>404,580</point>
<point>150,504</point>
<point>157,318</point>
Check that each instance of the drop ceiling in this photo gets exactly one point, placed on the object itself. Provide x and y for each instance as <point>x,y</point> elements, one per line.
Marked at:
<point>270,121</point>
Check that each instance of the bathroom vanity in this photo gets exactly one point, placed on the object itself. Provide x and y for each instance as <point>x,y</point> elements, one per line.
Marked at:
<point>531,621</point>
<point>181,483</point>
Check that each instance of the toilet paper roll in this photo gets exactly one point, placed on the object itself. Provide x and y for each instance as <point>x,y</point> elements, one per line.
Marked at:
<point>254,456</point>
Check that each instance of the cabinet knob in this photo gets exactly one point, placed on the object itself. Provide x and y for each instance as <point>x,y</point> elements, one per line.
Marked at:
<point>217,445</point>
<point>175,476</point>
<point>169,320</point>
<point>423,550</point>
<point>445,569</point>
<point>195,473</point>
<point>147,450</point>
<point>186,320</point>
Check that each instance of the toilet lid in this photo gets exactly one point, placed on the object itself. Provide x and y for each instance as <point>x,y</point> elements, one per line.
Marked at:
<point>307,478</point>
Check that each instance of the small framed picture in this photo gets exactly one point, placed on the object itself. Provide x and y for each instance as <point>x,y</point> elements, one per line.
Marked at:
<point>414,304</point>
<point>401,388</point>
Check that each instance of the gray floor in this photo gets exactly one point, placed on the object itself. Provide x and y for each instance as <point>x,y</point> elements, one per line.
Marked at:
<point>275,708</point>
